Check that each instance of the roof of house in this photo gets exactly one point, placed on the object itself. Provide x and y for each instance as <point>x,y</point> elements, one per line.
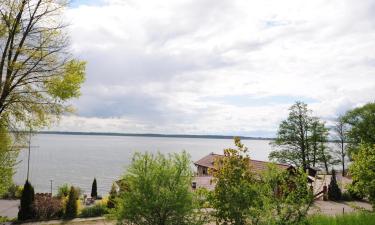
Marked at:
<point>208,161</point>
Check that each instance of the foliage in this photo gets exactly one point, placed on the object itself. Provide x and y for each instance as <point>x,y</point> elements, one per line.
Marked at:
<point>157,191</point>
<point>363,171</point>
<point>26,210</point>
<point>37,73</point>
<point>8,157</point>
<point>273,196</point>
<point>71,208</point>
<point>47,207</point>
<point>361,123</point>
<point>94,189</point>
<point>301,139</point>
<point>334,192</point>
<point>235,192</point>
<point>346,219</point>
<point>346,196</point>
<point>353,191</point>
<point>285,196</point>
<point>112,197</point>
<point>94,211</point>
<point>14,192</point>
<point>63,191</point>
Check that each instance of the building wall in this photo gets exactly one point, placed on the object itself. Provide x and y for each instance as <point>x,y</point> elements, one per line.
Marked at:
<point>202,171</point>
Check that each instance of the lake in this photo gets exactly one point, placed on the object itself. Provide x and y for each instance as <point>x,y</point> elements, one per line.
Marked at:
<point>77,159</point>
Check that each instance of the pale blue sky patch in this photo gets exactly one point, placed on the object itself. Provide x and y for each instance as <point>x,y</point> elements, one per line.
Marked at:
<point>76,3</point>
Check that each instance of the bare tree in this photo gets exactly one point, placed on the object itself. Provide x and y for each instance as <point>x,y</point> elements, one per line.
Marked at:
<point>340,129</point>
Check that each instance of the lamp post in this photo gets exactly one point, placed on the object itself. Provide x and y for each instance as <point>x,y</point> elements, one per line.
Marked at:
<point>51,186</point>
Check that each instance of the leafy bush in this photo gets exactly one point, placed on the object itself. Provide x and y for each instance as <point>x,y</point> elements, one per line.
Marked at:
<point>94,211</point>
<point>334,192</point>
<point>63,191</point>
<point>71,208</point>
<point>159,191</point>
<point>346,196</point>
<point>14,192</point>
<point>26,211</point>
<point>47,207</point>
<point>112,197</point>
<point>363,171</point>
<point>242,197</point>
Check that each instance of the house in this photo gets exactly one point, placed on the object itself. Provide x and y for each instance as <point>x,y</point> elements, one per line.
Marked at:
<point>203,177</point>
<point>206,164</point>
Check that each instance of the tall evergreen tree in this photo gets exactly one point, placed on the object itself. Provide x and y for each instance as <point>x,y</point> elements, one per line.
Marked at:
<point>71,208</point>
<point>334,192</point>
<point>26,211</point>
<point>94,189</point>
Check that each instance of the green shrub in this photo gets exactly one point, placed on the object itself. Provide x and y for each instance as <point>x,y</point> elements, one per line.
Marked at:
<point>14,192</point>
<point>63,191</point>
<point>71,208</point>
<point>346,196</point>
<point>112,197</point>
<point>159,191</point>
<point>26,211</point>
<point>94,211</point>
<point>355,194</point>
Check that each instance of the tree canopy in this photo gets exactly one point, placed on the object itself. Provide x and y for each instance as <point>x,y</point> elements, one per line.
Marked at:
<point>361,122</point>
<point>363,171</point>
<point>301,139</point>
<point>37,73</point>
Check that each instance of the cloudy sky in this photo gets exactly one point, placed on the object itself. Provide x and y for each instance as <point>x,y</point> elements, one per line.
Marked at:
<point>218,67</point>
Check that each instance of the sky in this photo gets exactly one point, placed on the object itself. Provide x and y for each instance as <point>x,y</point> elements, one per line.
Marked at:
<point>228,67</point>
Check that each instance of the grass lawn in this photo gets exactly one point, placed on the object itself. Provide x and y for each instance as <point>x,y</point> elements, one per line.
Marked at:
<point>346,219</point>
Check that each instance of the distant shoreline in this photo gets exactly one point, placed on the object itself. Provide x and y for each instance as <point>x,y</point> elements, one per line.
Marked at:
<point>153,135</point>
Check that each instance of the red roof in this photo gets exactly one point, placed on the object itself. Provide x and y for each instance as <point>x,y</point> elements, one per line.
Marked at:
<point>258,166</point>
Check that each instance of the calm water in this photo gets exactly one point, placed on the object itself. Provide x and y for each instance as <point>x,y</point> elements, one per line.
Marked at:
<point>77,159</point>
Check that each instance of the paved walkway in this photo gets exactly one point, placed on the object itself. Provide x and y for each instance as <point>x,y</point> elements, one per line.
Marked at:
<point>9,208</point>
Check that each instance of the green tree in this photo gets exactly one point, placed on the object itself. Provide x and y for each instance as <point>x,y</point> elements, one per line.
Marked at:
<point>157,191</point>
<point>285,196</point>
<point>361,122</point>
<point>26,211</point>
<point>363,171</point>
<point>235,196</point>
<point>37,73</point>
<point>334,192</point>
<point>8,159</point>
<point>94,189</point>
<point>292,137</point>
<point>71,208</point>
<point>301,140</point>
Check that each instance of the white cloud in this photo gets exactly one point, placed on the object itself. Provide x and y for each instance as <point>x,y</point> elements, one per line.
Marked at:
<point>219,67</point>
